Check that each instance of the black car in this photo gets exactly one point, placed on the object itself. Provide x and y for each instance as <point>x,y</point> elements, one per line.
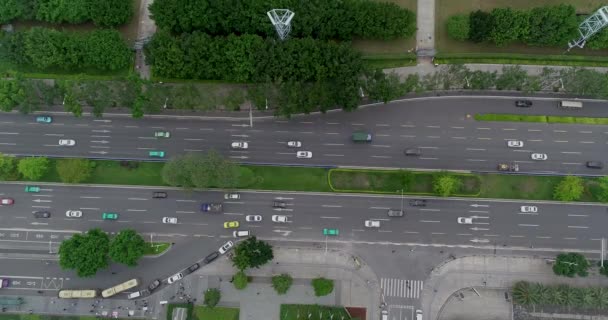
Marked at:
<point>42,214</point>
<point>279,204</point>
<point>595,164</point>
<point>159,195</point>
<point>208,259</point>
<point>412,152</point>
<point>523,103</point>
<point>193,268</point>
<point>154,285</point>
<point>418,203</point>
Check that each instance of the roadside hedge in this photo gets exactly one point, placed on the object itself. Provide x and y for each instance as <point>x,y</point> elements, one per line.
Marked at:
<point>48,48</point>
<point>106,13</point>
<point>320,19</point>
<point>540,26</point>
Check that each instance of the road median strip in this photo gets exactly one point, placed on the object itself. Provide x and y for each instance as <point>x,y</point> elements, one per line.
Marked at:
<point>347,180</point>
<point>538,118</point>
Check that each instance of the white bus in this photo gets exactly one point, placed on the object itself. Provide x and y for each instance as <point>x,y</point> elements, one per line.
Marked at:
<point>565,104</point>
<point>120,288</point>
<point>78,294</point>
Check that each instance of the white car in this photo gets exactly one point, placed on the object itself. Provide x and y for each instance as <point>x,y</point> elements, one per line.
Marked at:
<point>67,142</point>
<point>294,144</point>
<point>239,145</point>
<point>539,156</point>
<point>226,247</point>
<point>253,218</point>
<point>232,196</point>
<point>176,277</point>
<point>465,220</point>
<point>279,218</point>
<point>528,209</point>
<point>170,220</point>
<point>73,213</point>
<point>241,233</point>
<point>372,223</point>
<point>304,154</point>
<point>515,144</point>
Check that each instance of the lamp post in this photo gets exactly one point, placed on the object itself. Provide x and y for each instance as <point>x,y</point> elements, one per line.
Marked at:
<point>401,200</point>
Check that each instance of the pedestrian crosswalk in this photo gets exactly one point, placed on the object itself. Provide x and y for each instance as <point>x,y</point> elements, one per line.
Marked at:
<point>401,288</point>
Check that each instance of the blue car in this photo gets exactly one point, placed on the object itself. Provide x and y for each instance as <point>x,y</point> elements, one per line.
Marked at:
<point>44,119</point>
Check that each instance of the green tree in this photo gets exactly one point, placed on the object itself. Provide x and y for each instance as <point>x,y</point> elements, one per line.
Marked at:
<point>571,188</point>
<point>511,78</point>
<point>600,296</point>
<point>322,286</point>
<point>12,93</point>
<point>551,25</point>
<point>446,184</point>
<point>71,104</point>
<point>177,171</point>
<point>12,9</point>
<point>509,25</point>
<point>8,167</point>
<point>481,80</point>
<point>281,283</point>
<point>240,280</point>
<point>571,264</point>
<point>85,253</point>
<point>58,11</point>
<point>380,86</point>
<point>480,25</point>
<point>73,170</point>
<point>212,297</point>
<point>201,171</point>
<point>33,168</point>
<point>110,13</point>
<point>523,294</point>
<point>458,27</point>
<point>252,253</point>
<point>127,247</point>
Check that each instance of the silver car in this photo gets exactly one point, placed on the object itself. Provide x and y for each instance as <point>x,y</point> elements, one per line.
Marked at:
<point>294,144</point>
<point>232,196</point>
<point>170,220</point>
<point>67,142</point>
<point>395,213</point>
<point>528,209</point>
<point>73,213</point>
<point>372,223</point>
<point>515,144</point>
<point>253,218</point>
<point>539,156</point>
<point>176,277</point>
<point>304,154</point>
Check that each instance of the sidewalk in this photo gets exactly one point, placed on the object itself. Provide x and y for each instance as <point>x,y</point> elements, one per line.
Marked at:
<point>490,272</point>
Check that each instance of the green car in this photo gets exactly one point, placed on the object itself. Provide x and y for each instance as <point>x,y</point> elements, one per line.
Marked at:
<point>109,216</point>
<point>157,154</point>
<point>32,189</point>
<point>162,134</point>
<point>331,232</point>
<point>44,119</point>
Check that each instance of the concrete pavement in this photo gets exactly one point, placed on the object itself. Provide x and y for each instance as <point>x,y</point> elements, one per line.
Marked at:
<point>489,272</point>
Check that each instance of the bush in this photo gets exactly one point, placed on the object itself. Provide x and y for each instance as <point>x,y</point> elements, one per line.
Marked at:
<point>33,168</point>
<point>282,283</point>
<point>571,188</point>
<point>240,280</point>
<point>445,184</point>
<point>322,286</point>
<point>105,13</point>
<point>458,27</point>
<point>8,167</point>
<point>571,264</point>
<point>212,297</point>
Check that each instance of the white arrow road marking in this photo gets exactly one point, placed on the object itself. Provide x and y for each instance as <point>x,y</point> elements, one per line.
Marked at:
<point>99,152</point>
<point>40,200</point>
<point>284,233</point>
<point>479,205</point>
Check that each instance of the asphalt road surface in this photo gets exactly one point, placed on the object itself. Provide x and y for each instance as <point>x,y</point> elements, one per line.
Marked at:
<point>442,128</point>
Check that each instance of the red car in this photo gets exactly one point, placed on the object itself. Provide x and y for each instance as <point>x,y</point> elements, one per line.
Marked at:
<point>6,201</point>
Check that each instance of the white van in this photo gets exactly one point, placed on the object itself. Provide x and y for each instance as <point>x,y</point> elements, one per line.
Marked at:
<point>134,295</point>
<point>418,314</point>
<point>565,104</point>
<point>240,233</point>
<point>384,315</point>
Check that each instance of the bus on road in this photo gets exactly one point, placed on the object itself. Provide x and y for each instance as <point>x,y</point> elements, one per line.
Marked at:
<point>120,288</point>
<point>78,294</point>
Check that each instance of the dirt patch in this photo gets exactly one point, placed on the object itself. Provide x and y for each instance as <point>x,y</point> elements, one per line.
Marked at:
<point>357,313</point>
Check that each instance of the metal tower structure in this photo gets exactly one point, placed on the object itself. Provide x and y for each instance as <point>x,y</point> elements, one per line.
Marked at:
<point>590,26</point>
<point>281,19</point>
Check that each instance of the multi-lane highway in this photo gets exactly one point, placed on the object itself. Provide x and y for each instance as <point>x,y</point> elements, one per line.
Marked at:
<point>443,129</point>
<point>494,223</point>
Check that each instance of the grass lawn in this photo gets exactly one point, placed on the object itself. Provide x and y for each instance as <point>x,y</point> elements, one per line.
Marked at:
<point>528,187</point>
<point>286,178</point>
<point>111,172</point>
<point>446,8</point>
<point>216,313</point>
<point>536,118</point>
<point>42,317</point>
<point>392,181</point>
<point>312,312</point>
<point>156,248</point>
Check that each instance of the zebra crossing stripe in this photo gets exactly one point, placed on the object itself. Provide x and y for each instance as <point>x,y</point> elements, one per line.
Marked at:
<point>403,288</point>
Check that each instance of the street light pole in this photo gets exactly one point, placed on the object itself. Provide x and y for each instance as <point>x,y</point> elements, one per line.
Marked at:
<point>401,200</point>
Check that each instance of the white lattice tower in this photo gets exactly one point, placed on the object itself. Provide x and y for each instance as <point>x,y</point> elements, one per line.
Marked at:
<point>590,26</point>
<point>281,19</point>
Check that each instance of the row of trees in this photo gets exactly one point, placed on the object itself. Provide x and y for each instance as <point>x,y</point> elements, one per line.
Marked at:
<point>34,168</point>
<point>196,170</point>
<point>319,19</point>
<point>309,74</point>
<point>87,253</point>
<point>537,294</point>
<point>48,48</point>
<point>541,26</point>
<point>105,13</point>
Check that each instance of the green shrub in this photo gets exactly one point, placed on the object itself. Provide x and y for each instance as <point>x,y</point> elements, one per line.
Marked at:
<point>458,27</point>
<point>212,297</point>
<point>240,280</point>
<point>322,286</point>
<point>282,283</point>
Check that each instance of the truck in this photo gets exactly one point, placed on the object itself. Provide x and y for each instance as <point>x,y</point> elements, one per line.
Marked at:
<point>212,207</point>
<point>362,136</point>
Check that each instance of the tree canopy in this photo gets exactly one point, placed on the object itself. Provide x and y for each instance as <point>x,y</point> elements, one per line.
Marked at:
<point>322,286</point>
<point>85,253</point>
<point>194,170</point>
<point>571,188</point>
<point>127,247</point>
<point>571,264</point>
<point>105,13</point>
<point>252,253</point>
<point>281,283</point>
<point>33,168</point>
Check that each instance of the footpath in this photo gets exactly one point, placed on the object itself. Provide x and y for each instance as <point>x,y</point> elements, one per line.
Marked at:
<point>484,272</point>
